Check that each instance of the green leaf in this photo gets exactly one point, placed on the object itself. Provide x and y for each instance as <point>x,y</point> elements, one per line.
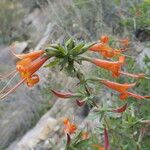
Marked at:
<point>54,52</point>
<point>55,46</point>
<point>77,138</point>
<point>77,49</point>
<point>70,69</point>
<point>51,51</point>
<point>82,143</point>
<point>62,49</point>
<point>58,48</point>
<point>146,59</point>
<point>70,44</point>
<point>53,63</point>
<point>48,50</point>
<point>63,62</point>
<point>85,48</point>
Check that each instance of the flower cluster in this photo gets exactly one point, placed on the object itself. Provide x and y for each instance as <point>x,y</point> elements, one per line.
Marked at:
<point>115,67</point>
<point>68,57</point>
<point>26,67</point>
<point>70,128</point>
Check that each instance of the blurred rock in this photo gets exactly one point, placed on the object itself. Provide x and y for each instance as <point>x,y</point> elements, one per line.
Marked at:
<point>38,133</point>
<point>19,109</point>
<point>145,51</point>
<point>142,34</point>
<point>6,57</point>
<point>35,25</point>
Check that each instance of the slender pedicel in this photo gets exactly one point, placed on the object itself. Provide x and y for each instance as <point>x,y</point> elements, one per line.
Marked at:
<point>4,76</point>
<point>1,91</point>
<point>12,89</point>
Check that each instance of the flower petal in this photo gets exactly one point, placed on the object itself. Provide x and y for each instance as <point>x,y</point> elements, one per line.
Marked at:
<point>123,96</point>
<point>21,65</point>
<point>31,55</point>
<point>34,79</point>
<point>122,88</point>
<point>104,39</point>
<point>136,95</point>
<point>100,47</point>
<point>124,42</point>
<point>140,75</point>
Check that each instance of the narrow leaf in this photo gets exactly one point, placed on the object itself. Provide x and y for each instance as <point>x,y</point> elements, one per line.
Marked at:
<point>53,63</point>
<point>83,49</point>
<point>82,143</point>
<point>62,49</point>
<point>120,109</point>
<point>106,139</point>
<point>77,49</point>
<point>68,139</point>
<point>70,44</point>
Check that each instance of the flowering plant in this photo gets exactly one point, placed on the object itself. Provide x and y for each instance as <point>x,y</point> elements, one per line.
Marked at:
<point>69,57</point>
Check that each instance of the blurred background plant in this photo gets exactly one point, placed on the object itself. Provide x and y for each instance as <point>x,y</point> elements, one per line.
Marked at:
<point>136,16</point>
<point>10,15</point>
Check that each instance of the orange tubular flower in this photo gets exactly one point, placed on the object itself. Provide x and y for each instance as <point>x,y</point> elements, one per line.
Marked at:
<point>137,76</point>
<point>26,67</point>
<point>121,88</point>
<point>85,135</point>
<point>99,147</point>
<point>66,121</point>
<point>110,54</point>
<point>100,47</point>
<point>125,95</point>
<point>70,128</point>
<point>31,55</point>
<point>105,50</point>
<point>114,67</point>
<point>104,39</point>
<point>124,42</point>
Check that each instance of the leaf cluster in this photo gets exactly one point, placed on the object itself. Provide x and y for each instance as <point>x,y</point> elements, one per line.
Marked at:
<point>67,55</point>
